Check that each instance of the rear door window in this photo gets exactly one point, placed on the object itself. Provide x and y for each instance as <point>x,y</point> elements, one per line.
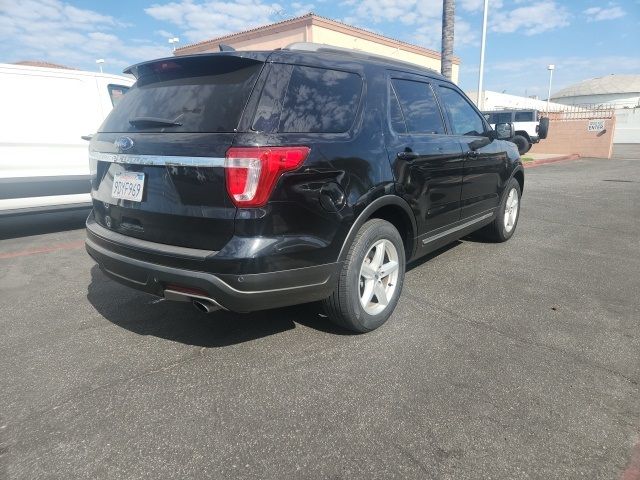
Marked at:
<point>419,107</point>
<point>524,117</point>
<point>320,100</point>
<point>504,117</point>
<point>198,95</point>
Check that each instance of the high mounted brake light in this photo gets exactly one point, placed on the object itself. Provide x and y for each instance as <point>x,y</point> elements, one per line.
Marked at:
<point>252,172</point>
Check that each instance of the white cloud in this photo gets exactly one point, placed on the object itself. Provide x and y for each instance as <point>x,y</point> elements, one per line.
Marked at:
<point>209,19</point>
<point>613,11</point>
<point>56,31</point>
<point>302,8</point>
<point>540,17</point>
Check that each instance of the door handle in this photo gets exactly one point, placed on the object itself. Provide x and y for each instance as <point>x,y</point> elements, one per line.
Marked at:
<point>472,154</point>
<point>408,155</point>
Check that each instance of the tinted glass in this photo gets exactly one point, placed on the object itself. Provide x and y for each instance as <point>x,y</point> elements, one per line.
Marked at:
<point>320,100</point>
<point>524,117</point>
<point>203,95</point>
<point>116,92</point>
<point>395,113</point>
<point>464,119</point>
<point>419,107</point>
<point>504,117</point>
<point>267,115</point>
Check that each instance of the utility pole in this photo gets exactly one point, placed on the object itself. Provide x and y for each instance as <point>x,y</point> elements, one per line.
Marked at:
<point>480,99</point>
<point>448,19</point>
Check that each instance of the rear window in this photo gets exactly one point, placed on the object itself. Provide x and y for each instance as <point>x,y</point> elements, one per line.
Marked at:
<point>116,92</point>
<point>201,95</point>
<point>320,100</point>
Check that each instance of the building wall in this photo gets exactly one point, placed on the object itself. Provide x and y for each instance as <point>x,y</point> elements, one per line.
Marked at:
<point>627,125</point>
<point>505,101</point>
<point>571,136</point>
<point>321,34</point>
<point>258,42</point>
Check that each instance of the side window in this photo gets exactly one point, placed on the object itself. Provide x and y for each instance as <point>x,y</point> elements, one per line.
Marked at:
<point>524,117</point>
<point>419,106</point>
<point>503,117</point>
<point>395,113</point>
<point>267,115</point>
<point>116,92</point>
<point>320,100</point>
<point>464,119</point>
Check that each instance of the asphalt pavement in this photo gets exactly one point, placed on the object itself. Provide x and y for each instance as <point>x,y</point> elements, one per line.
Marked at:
<point>503,361</point>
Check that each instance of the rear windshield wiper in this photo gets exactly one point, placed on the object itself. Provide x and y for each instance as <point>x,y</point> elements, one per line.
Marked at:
<point>153,122</point>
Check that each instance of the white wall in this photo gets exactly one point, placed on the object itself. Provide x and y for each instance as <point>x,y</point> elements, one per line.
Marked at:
<point>627,125</point>
<point>504,101</point>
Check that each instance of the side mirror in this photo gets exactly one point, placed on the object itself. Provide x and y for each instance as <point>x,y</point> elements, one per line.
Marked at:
<point>504,131</point>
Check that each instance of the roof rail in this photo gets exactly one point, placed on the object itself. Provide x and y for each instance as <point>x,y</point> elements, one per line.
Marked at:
<point>323,47</point>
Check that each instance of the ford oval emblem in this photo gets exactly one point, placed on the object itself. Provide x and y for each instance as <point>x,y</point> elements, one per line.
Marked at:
<point>123,144</point>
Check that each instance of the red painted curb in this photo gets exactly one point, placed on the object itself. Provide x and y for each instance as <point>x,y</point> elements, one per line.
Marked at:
<point>544,161</point>
<point>50,249</point>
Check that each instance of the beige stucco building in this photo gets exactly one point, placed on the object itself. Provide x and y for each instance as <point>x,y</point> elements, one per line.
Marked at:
<point>317,29</point>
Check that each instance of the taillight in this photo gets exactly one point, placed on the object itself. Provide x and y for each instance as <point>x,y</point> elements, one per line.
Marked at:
<point>252,172</point>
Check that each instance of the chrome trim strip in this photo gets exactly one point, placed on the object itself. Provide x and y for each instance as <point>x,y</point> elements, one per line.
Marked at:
<point>162,160</point>
<point>455,229</point>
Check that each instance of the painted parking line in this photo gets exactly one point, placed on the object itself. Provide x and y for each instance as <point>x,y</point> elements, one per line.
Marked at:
<point>48,249</point>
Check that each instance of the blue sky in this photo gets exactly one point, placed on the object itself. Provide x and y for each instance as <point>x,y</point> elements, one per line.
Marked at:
<point>583,38</point>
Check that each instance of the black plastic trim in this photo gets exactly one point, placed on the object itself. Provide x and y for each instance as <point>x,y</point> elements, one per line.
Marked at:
<point>254,292</point>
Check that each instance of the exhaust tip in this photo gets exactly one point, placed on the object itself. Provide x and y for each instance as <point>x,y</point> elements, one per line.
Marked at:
<point>204,306</point>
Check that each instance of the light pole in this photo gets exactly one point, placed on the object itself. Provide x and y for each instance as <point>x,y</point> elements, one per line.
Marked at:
<point>100,61</point>
<point>173,42</point>
<point>551,68</point>
<point>480,99</point>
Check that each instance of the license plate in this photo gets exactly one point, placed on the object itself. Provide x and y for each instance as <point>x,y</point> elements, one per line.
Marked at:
<point>128,186</point>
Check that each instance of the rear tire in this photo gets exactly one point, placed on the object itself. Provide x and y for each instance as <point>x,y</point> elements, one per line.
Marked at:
<point>371,279</point>
<point>504,225</point>
<point>522,143</point>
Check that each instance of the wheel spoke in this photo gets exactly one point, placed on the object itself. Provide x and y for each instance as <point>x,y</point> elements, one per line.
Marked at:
<point>381,293</point>
<point>378,256</point>
<point>367,294</point>
<point>367,272</point>
<point>388,268</point>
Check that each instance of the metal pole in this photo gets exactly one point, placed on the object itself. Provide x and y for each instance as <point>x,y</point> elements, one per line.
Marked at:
<point>549,93</point>
<point>480,99</point>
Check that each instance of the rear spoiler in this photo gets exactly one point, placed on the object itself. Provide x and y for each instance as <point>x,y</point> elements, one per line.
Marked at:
<point>185,60</point>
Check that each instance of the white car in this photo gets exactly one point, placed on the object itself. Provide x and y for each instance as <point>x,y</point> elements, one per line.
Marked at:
<point>45,114</point>
<point>528,126</point>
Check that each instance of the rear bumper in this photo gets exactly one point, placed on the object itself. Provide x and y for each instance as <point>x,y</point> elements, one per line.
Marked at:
<point>239,293</point>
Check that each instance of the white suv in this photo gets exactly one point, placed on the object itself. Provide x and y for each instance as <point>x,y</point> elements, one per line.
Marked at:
<point>528,126</point>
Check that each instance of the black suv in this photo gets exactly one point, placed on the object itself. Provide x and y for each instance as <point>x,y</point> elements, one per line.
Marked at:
<point>253,180</point>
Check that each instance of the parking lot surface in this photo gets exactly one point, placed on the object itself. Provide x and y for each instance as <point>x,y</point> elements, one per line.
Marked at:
<point>516,360</point>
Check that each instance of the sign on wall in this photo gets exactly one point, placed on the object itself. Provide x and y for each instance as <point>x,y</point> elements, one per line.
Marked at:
<point>595,125</point>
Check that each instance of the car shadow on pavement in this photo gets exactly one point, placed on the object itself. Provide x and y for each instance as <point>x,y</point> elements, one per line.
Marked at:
<point>422,260</point>
<point>181,322</point>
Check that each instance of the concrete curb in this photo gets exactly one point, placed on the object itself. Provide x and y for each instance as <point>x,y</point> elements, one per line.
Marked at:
<point>544,161</point>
